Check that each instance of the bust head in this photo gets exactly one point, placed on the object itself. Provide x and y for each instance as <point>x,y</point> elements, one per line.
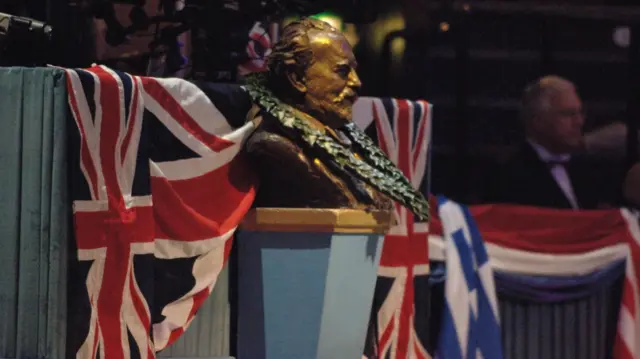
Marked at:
<point>312,68</point>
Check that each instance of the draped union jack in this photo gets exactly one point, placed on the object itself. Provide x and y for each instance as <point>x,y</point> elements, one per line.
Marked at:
<point>158,190</point>
<point>403,130</point>
<point>261,38</point>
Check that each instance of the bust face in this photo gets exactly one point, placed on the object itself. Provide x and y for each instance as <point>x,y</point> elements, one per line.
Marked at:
<point>331,80</point>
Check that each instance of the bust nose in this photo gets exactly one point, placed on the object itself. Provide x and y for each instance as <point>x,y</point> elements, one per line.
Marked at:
<point>354,81</point>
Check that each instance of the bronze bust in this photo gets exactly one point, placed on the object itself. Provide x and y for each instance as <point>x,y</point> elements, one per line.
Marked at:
<point>305,148</point>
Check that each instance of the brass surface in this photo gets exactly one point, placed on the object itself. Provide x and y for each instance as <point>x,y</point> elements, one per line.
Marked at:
<point>306,150</point>
<point>317,220</point>
<point>313,69</point>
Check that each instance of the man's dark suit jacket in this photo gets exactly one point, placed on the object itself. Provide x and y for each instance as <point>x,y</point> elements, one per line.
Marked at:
<point>526,180</point>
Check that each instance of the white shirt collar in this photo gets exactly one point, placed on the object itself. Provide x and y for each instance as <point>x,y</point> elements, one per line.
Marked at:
<point>547,156</point>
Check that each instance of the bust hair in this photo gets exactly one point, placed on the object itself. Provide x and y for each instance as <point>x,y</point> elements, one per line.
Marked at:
<point>293,52</point>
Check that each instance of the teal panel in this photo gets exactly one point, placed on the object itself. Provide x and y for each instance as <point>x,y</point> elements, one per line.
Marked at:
<point>208,334</point>
<point>34,213</point>
<point>305,295</point>
<point>281,286</point>
<point>351,282</point>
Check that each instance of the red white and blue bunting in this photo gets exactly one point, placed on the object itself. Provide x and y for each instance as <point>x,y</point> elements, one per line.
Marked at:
<point>547,256</point>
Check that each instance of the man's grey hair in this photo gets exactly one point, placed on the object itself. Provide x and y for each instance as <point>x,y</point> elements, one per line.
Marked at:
<point>537,96</point>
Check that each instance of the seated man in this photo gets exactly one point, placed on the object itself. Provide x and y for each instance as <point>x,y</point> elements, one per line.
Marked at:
<point>305,148</point>
<point>545,171</point>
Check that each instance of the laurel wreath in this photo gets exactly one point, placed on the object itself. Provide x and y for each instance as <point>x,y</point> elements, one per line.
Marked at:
<point>376,169</point>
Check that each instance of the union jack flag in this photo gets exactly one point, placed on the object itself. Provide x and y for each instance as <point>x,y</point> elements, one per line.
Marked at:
<point>158,189</point>
<point>259,47</point>
<point>403,131</point>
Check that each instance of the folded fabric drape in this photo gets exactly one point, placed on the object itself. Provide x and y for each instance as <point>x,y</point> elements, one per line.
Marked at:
<point>547,289</point>
<point>542,289</point>
<point>34,212</point>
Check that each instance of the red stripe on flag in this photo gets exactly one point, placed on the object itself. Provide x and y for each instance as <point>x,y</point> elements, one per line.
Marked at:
<point>420,140</point>
<point>435,226</point>
<point>173,107</point>
<point>119,227</point>
<point>110,303</point>
<point>628,301</point>
<point>101,230</point>
<point>228,246</point>
<point>621,350</point>
<point>262,38</point>
<point>95,229</point>
<point>188,213</point>
<point>109,132</point>
<point>418,351</point>
<point>142,313</point>
<point>406,316</point>
<point>175,335</point>
<point>404,251</point>
<point>403,124</point>
<point>385,338</point>
<point>409,250</point>
<point>550,231</point>
<point>133,118</point>
<point>116,261</point>
<point>85,156</point>
<point>382,143</point>
<point>138,303</point>
<point>545,230</point>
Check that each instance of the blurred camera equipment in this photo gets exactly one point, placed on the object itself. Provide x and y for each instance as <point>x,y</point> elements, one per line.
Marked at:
<point>23,41</point>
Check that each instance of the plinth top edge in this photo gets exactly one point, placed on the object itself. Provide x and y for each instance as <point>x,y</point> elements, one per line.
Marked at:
<point>318,220</point>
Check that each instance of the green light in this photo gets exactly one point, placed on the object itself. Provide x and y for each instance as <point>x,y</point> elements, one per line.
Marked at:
<point>332,18</point>
<point>324,13</point>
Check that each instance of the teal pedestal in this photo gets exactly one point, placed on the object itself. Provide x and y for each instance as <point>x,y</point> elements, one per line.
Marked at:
<point>306,282</point>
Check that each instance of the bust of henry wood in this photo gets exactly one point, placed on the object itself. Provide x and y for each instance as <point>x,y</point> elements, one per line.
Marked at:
<point>305,148</point>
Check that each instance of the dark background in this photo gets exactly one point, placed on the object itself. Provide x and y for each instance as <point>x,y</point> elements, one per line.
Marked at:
<point>470,59</point>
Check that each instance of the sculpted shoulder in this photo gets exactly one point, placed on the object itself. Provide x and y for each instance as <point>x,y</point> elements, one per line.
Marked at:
<point>288,177</point>
<point>272,151</point>
<point>264,143</point>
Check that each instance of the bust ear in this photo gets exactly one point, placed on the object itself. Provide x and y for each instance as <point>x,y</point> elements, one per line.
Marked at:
<point>296,80</point>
